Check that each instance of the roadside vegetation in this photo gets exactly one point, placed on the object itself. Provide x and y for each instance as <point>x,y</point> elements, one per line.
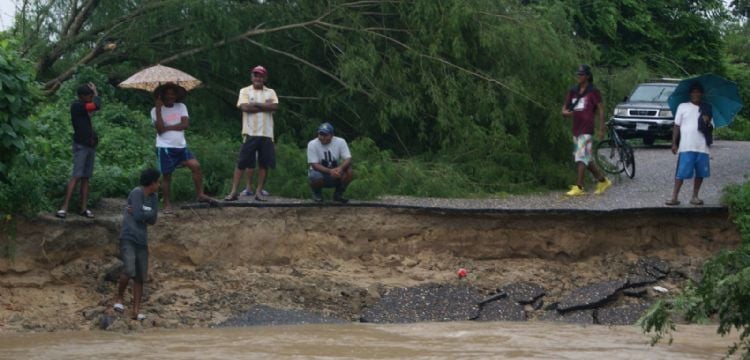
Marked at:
<point>723,292</point>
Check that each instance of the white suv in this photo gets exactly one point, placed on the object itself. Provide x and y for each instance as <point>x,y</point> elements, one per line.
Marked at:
<point>645,113</point>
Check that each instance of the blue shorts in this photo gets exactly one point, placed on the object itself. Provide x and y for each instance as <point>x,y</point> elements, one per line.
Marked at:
<point>170,159</point>
<point>691,163</point>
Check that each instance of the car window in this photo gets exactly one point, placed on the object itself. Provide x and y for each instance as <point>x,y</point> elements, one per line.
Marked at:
<point>652,93</point>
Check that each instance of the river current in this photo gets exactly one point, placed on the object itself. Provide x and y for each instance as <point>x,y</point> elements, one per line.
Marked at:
<point>451,340</point>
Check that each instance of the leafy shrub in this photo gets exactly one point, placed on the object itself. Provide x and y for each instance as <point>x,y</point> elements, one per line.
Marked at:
<point>739,130</point>
<point>723,291</point>
<point>17,96</point>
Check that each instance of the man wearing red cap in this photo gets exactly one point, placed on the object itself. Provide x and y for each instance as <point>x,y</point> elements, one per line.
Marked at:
<point>257,103</point>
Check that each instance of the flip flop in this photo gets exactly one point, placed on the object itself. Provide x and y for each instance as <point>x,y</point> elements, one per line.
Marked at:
<point>118,307</point>
<point>672,203</point>
<point>208,200</point>
<point>696,201</point>
<point>231,197</point>
<point>87,213</point>
<point>260,198</point>
<point>61,214</point>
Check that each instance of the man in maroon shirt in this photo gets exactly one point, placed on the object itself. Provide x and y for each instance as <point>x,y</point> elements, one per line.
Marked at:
<point>84,146</point>
<point>582,103</point>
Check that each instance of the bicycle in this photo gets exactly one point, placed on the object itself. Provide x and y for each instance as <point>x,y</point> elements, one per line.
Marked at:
<point>614,155</point>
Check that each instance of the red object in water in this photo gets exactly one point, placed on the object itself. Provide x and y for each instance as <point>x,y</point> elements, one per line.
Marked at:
<point>462,273</point>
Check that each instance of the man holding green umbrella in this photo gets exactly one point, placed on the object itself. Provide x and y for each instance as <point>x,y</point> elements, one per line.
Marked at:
<point>699,104</point>
<point>693,143</point>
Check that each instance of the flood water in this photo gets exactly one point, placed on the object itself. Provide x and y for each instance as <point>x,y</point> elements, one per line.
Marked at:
<point>454,340</point>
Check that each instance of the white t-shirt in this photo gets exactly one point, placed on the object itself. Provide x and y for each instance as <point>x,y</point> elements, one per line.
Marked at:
<point>260,123</point>
<point>171,116</point>
<point>691,139</point>
<point>331,155</point>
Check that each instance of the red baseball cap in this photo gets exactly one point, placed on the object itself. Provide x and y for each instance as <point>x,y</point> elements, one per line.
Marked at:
<point>259,70</point>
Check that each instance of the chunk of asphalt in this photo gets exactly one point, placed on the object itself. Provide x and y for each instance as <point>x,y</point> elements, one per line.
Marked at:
<point>538,303</point>
<point>429,302</point>
<point>523,292</point>
<point>591,296</point>
<point>502,310</point>
<point>640,280</point>
<point>492,298</point>
<point>635,292</point>
<point>621,315</point>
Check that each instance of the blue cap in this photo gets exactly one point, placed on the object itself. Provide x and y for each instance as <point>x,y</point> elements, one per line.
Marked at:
<point>325,128</point>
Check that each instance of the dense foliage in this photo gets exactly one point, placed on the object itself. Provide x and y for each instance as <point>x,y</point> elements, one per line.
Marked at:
<point>723,291</point>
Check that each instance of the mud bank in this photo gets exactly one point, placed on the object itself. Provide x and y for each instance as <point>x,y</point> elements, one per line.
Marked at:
<point>210,266</point>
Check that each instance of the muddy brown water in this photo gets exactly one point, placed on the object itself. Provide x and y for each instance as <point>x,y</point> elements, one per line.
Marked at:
<point>458,340</point>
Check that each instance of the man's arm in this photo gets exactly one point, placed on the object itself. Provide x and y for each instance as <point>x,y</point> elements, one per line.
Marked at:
<point>565,111</point>
<point>184,124</point>
<point>161,127</point>
<point>321,168</point>
<point>339,171</point>
<point>140,213</point>
<point>675,136</point>
<point>255,107</point>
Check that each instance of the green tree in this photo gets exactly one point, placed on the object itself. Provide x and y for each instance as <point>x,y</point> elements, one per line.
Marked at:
<point>674,37</point>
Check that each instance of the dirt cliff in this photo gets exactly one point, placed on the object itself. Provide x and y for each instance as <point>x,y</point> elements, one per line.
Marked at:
<point>208,264</point>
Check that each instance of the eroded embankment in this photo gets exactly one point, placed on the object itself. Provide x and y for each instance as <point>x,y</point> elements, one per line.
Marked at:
<point>208,265</point>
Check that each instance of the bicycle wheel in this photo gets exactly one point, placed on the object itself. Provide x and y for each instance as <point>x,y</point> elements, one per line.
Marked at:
<point>607,157</point>
<point>628,160</point>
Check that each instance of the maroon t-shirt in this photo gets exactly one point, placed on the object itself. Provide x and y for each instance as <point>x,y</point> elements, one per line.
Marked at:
<point>584,110</point>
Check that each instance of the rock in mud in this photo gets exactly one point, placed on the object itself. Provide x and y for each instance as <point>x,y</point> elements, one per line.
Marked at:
<point>590,296</point>
<point>571,317</point>
<point>523,292</point>
<point>431,302</point>
<point>621,315</point>
<point>502,310</point>
<point>105,321</point>
<point>111,271</point>
<point>265,315</point>
<point>651,266</point>
<point>91,313</point>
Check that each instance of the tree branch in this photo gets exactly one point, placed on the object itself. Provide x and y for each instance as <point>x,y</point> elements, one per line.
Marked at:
<point>438,59</point>
<point>309,64</point>
<point>68,42</point>
<point>53,84</point>
<point>81,17</point>
<point>249,33</point>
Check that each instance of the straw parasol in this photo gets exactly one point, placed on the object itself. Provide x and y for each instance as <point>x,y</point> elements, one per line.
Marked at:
<point>150,78</point>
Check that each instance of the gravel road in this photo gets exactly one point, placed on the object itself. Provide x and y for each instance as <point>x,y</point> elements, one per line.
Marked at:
<point>650,188</point>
